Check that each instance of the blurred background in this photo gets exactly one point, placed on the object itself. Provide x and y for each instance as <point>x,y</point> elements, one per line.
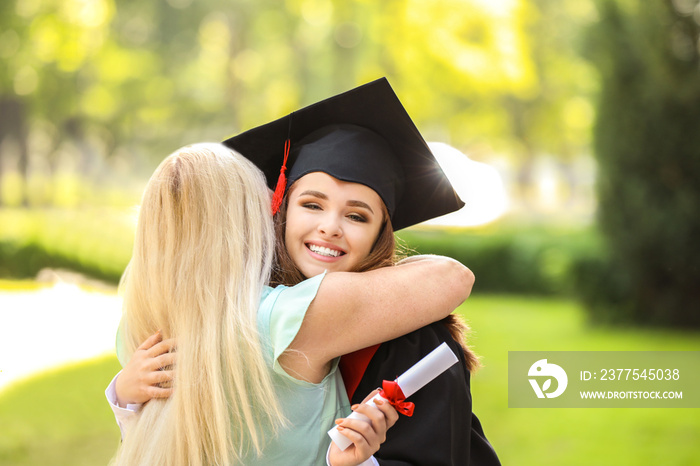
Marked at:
<point>571,128</point>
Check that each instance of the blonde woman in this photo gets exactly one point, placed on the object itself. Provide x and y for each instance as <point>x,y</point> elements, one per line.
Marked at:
<point>201,261</point>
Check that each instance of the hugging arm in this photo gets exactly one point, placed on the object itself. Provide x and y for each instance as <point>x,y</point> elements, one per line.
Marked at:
<point>352,311</point>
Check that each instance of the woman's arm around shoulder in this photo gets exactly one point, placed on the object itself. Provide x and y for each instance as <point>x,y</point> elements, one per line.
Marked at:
<point>356,310</point>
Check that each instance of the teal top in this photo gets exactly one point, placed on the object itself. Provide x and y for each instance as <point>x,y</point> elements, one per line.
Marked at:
<point>310,408</point>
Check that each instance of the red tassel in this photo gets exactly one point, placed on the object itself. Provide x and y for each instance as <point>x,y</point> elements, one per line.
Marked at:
<point>281,181</point>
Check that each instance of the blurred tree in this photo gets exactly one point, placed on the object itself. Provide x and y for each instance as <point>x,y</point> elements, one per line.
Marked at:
<point>647,141</point>
<point>133,80</point>
<point>494,76</point>
<point>13,130</point>
<point>14,80</point>
<point>45,47</point>
<point>556,117</point>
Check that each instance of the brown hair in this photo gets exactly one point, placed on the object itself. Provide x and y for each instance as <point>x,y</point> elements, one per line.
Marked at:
<point>385,252</point>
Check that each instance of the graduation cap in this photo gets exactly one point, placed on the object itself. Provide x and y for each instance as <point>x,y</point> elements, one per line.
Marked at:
<point>364,136</point>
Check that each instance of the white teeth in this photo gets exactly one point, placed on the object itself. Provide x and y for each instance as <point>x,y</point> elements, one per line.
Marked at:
<point>324,251</point>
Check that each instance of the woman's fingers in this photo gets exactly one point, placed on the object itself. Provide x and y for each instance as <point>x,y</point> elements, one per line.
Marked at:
<point>350,431</point>
<point>377,426</point>
<point>164,360</point>
<point>150,341</point>
<point>366,436</point>
<point>158,392</point>
<point>165,346</point>
<point>160,377</point>
<point>149,372</point>
<point>155,345</point>
<point>390,414</point>
<point>385,407</point>
<point>361,434</point>
<point>371,434</point>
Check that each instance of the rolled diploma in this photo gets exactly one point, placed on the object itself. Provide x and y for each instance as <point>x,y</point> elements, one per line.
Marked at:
<point>424,371</point>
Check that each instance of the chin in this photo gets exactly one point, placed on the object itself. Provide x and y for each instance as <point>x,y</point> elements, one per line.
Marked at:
<point>312,271</point>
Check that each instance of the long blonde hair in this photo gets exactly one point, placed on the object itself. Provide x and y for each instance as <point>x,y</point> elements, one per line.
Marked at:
<point>202,254</point>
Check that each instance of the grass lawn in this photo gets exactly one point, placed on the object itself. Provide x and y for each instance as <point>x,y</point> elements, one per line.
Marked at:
<point>61,418</point>
<point>571,437</point>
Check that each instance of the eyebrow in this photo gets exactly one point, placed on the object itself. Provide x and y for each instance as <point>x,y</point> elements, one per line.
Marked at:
<point>360,204</point>
<point>317,194</point>
<point>350,203</point>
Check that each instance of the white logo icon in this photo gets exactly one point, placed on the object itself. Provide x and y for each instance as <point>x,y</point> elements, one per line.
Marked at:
<point>542,369</point>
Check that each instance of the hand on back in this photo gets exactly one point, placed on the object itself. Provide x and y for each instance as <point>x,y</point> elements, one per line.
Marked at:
<point>148,374</point>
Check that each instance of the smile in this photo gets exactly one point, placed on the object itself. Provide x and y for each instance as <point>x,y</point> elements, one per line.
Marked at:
<point>323,251</point>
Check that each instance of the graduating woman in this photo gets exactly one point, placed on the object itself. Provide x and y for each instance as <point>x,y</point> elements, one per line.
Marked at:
<point>364,137</point>
<point>356,160</point>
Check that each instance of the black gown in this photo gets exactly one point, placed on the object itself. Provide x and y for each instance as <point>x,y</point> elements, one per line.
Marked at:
<point>443,430</point>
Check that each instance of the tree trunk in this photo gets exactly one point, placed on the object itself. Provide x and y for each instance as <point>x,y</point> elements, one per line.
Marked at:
<point>13,125</point>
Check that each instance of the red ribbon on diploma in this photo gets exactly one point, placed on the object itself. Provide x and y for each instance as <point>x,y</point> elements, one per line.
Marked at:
<point>392,392</point>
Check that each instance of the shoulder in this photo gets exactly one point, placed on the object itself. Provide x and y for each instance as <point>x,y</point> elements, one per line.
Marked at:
<point>410,348</point>
<point>280,316</point>
<point>283,299</point>
<point>440,430</point>
<point>396,356</point>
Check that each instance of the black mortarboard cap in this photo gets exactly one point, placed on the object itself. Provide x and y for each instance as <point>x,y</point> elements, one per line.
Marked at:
<point>365,136</point>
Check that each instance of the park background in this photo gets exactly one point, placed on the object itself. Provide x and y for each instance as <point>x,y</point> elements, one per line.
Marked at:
<point>580,117</point>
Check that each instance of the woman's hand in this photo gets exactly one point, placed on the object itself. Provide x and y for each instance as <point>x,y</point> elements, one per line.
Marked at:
<point>144,375</point>
<point>366,437</point>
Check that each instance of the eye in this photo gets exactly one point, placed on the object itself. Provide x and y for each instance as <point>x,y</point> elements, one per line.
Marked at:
<point>311,205</point>
<point>357,218</point>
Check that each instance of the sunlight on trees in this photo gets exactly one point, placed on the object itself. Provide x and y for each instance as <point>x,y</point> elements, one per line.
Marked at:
<point>117,83</point>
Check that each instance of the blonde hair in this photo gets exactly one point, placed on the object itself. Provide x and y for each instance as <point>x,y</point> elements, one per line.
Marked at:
<point>202,254</point>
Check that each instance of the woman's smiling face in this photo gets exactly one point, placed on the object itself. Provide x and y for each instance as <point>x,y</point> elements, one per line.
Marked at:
<point>331,224</point>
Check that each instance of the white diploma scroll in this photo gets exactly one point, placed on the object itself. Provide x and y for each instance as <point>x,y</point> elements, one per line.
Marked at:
<point>434,364</point>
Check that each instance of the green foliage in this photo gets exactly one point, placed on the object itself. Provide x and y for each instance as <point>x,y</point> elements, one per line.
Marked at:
<point>96,242</point>
<point>134,80</point>
<point>524,260</point>
<point>648,147</point>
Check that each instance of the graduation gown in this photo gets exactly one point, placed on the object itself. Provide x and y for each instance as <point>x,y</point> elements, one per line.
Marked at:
<point>443,430</point>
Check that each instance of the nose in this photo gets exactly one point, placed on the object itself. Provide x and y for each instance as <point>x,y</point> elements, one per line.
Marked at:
<point>330,226</point>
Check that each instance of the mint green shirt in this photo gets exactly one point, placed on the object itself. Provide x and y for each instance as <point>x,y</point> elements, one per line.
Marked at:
<point>310,408</point>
